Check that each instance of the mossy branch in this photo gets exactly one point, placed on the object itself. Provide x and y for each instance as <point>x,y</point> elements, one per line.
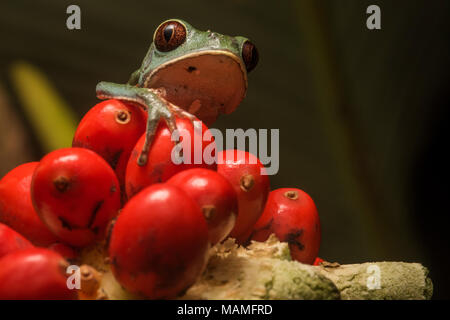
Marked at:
<point>266,271</point>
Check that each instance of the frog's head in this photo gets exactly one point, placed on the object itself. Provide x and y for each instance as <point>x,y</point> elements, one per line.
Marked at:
<point>202,72</point>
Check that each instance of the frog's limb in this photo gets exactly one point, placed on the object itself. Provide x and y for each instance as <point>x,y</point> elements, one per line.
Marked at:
<point>155,106</point>
<point>134,78</point>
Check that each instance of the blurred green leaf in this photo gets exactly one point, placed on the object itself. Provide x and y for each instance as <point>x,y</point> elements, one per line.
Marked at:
<point>52,119</point>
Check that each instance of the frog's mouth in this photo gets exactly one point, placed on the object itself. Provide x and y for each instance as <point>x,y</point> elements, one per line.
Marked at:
<point>204,83</point>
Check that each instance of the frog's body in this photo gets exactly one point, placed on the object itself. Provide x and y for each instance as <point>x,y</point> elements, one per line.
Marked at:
<point>186,72</point>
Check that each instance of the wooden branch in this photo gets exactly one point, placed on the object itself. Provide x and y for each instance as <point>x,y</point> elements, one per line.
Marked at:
<point>381,281</point>
<point>266,271</point>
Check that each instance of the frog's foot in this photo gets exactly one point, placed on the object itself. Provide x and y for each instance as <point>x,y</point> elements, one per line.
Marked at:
<point>177,111</point>
<point>156,107</point>
<point>154,116</point>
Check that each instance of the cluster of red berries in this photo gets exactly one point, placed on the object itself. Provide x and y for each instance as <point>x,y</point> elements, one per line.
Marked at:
<point>159,219</point>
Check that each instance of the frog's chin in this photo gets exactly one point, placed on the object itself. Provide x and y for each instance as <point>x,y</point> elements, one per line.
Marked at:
<point>204,83</point>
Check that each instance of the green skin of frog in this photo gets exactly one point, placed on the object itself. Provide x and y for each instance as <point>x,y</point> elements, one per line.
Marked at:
<point>186,73</point>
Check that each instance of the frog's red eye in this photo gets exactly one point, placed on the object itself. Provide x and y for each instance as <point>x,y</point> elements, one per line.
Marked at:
<point>250,55</point>
<point>169,36</point>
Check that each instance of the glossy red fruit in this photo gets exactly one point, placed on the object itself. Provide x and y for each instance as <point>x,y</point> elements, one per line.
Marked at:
<point>317,261</point>
<point>16,208</point>
<point>160,167</point>
<point>215,196</point>
<point>292,216</point>
<point>111,129</point>
<point>159,243</point>
<point>76,193</point>
<point>34,274</point>
<point>247,176</point>
<point>11,241</point>
<point>64,250</point>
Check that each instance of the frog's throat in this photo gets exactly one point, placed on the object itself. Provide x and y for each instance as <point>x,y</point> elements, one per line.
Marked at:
<point>214,79</point>
<point>197,54</point>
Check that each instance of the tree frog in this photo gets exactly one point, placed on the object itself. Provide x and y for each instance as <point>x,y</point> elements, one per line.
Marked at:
<point>186,72</point>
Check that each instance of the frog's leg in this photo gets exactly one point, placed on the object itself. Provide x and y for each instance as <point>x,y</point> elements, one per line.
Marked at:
<point>156,109</point>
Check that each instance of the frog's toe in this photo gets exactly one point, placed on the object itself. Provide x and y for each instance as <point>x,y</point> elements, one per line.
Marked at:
<point>152,122</point>
<point>181,113</point>
<point>142,159</point>
<point>171,122</point>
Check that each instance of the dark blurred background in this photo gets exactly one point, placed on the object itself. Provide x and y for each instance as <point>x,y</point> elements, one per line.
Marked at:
<point>362,113</point>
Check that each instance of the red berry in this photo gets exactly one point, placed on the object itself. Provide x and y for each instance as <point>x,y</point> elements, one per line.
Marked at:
<point>159,243</point>
<point>11,241</point>
<point>215,196</point>
<point>317,261</point>
<point>246,174</point>
<point>64,250</point>
<point>76,193</point>
<point>34,274</point>
<point>111,129</point>
<point>160,167</point>
<point>16,208</point>
<point>292,216</point>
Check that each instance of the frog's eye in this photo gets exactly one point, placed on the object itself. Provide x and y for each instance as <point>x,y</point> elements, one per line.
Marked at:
<point>169,36</point>
<point>250,55</point>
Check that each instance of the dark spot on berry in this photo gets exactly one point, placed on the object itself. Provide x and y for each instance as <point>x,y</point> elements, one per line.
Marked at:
<point>109,232</point>
<point>115,159</point>
<point>292,238</point>
<point>95,211</point>
<point>61,184</point>
<point>65,224</point>
<point>113,188</point>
